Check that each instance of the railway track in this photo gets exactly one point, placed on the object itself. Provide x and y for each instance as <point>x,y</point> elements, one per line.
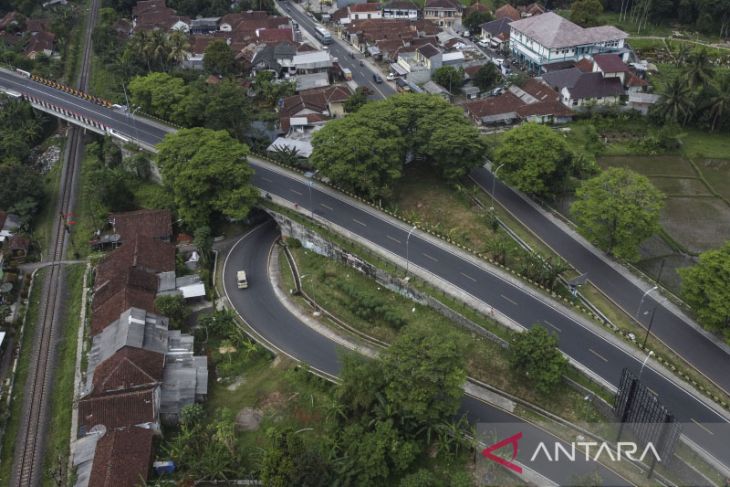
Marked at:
<point>29,457</point>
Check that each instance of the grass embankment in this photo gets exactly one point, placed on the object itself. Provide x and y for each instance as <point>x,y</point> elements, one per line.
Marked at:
<point>59,431</point>
<point>103,82</point>
<point>21,375</point>
<point>352,297</point>
<point>378,312</point>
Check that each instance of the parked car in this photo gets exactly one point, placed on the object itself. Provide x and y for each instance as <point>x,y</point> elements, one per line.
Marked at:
<point>377,78</point>
<point>391,76</point>
<point>483,43</point>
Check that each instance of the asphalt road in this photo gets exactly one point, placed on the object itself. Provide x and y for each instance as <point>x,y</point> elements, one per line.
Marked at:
<point>362,75</point>
<point>261,309</point>
<point>695,347</point>
<point>581,344</point>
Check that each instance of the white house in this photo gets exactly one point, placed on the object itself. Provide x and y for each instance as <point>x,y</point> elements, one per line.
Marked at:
<point>400,9</point>
<point>444,13</point>
<point>363,11</point>
<point>550,38</point>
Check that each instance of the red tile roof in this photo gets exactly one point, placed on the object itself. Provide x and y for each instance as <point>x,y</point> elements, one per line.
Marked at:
<point>109,311</point>
<point>365,7</point>
<point>143,252</point>
<point>276,35</point>
<point>610,63</point>
<point>122,458</point>
<point>442,4</point>
<point>504,103</point>
<point>151,223</point>
<point>120,410</point>
<point>633,80</point>
<point>128,368</point>
<point>508,11</point>
<point>585,65</point>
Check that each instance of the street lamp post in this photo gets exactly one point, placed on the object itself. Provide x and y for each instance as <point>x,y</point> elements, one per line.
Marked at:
<point>494,184</point>
<point>648,330</point>
<point>408,239</point>
<point>648,356</point>
<point>636,315</point>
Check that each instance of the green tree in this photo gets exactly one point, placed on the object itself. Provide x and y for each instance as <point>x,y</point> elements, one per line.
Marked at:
<point>158,94</point>
<point>362,155</point>
<point>699,69</point>
<point>269,90</point>
<point>227,107</point>
<point>111,187</point>
<point>21,190</point>
<point>487,76</point>
<point>178,47</point>
<point>535,354</point>
<point>455,148</point>
<point>424,374</point>
<point>358,99</point>
<point>360,386</point>
<point>677,102</point>
<point>473,22</point>
<point>219,59</point>
<point>618,210</point>
<point>289,461</point>
<point>718,102</point>
<point>449,77</point>
<point>705,288</point>
<point>207,174</point>
<point>173,306</point>
<point>372,456</point>
<point>534,158</point>
<point>586,13</point>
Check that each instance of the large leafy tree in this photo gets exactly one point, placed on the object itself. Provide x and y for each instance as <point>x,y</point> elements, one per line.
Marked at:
<point>449,77</point>
<point>363,156</point>
<point>586,13</point>
<point>535,355</point>
<point>158,93</point>
<point>534,158</point>
<point>474,20</point>
<point>618,210</point>
<point>487,76</point>
<point>705,288</point>
<point>366,151</point>
<point>219,59</point>
<point>207,174</point>
<point>424,374</point>
<point>21,190</point>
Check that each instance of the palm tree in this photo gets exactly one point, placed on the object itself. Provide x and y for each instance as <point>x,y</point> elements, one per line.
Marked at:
<point>699,69</point>
<point>179,47</point>
<point>719,102</point>
<point>676,104</point>
<point>682,54</point>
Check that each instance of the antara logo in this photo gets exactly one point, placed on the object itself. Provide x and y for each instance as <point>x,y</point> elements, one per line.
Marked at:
<point>512,440</point>
<point>589,450</point>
